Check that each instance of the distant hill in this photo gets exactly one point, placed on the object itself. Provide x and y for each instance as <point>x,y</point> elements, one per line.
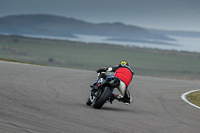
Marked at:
<point>50,25</point>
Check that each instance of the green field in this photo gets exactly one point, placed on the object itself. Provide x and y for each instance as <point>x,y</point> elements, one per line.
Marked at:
<point>89,56</point>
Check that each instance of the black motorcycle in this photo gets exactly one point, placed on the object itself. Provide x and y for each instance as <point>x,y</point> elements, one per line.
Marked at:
<point>102,89</point>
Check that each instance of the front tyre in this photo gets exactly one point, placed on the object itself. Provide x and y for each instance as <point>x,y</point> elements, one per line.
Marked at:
<point>103,98</point>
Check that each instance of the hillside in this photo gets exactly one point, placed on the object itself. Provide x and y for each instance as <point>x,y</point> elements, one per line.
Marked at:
<point>50,25</point>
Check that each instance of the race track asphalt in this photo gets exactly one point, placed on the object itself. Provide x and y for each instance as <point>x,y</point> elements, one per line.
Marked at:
<point>39,99</point>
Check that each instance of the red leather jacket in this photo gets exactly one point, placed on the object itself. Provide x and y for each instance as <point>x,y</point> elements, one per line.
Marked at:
<point>124,73</point>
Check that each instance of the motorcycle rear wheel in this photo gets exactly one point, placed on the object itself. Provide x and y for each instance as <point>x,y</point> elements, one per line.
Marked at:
<point>103,98</point>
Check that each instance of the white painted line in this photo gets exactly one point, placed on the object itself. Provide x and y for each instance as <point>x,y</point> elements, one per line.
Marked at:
<point>186,100</point>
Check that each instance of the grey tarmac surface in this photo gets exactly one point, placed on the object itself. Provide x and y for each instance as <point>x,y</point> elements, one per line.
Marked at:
<point>38,99</point>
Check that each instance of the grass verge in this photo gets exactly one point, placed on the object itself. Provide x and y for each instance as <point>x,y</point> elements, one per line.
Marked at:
<point>194,98</point>
<point>10,60</point>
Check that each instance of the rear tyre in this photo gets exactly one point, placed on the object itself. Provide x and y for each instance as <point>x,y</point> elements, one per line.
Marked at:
<point>103,98</point>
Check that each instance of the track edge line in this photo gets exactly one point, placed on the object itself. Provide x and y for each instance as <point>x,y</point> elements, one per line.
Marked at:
<point>183,96</point>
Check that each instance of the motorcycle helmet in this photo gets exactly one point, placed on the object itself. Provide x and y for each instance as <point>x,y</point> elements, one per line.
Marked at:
<point>124,63</point>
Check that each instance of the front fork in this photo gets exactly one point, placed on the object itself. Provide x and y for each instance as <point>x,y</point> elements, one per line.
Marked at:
<point>95,93</point>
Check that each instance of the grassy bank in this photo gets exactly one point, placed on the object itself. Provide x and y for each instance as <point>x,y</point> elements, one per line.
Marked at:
<point>78,55</point>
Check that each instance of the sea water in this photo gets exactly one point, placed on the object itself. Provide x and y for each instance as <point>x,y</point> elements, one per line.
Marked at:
<point>189,44</point>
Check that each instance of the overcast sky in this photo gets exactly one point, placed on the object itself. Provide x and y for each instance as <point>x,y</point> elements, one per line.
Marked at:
<point>159,14</point>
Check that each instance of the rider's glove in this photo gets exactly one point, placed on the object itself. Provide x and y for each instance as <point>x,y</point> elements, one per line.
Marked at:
<point>103,69</point>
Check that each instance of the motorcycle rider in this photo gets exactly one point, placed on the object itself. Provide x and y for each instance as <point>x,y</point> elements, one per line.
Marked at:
<point>125,74</point>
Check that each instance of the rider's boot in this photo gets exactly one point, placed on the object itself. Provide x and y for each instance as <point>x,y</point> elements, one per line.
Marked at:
<point>88,102</point>
<point>126,99</point>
